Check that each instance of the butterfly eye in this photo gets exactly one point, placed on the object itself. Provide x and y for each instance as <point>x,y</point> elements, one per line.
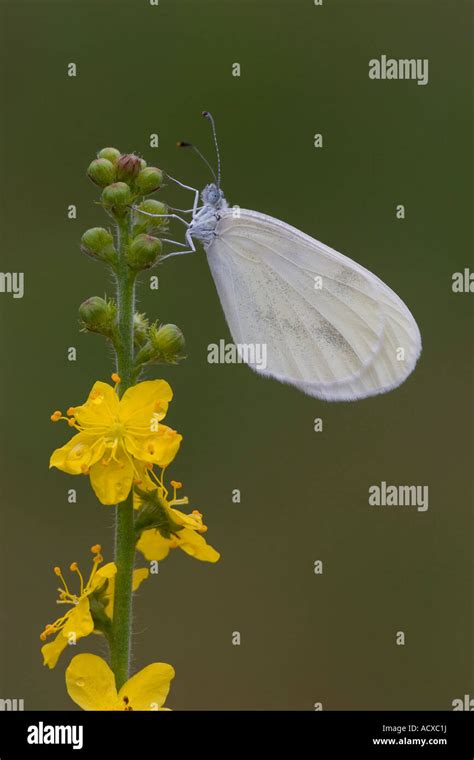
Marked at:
<point>211,194</point>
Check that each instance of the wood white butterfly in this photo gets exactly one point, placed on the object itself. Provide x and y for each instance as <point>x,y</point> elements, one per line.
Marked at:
<point>330,327</point>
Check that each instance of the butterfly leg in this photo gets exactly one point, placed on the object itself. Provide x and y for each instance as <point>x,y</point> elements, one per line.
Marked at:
<point>175,242</point>
<point>187,187</point>
<point>185,210</point>
<point>189,241</point>
<point>161,216</point>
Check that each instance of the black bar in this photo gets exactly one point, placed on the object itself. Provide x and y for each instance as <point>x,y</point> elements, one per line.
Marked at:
<point>220,734</point>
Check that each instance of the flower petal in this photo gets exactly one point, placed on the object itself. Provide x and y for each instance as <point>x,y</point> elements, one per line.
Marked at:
<point>143,402</point>
<point>79,623</point>
<point>112,482</point>
<point>159,448</point>
<point>139,575</point>
<point>153,546</point>
<point>193,521</point>
<point>101,407</point>
<point>52,650</point>
<point>195,545</point>
<point>90,683</point>
<point>79,620</point>
<point>78,454</point>
<point>148,689</point>
<point>108,598</point>
<point>104,573</point>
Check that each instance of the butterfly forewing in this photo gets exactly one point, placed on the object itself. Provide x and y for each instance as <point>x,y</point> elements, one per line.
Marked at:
<point>330,327</point>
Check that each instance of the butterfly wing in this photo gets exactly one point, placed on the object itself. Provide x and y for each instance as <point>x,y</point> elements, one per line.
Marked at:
<point>330,327</point>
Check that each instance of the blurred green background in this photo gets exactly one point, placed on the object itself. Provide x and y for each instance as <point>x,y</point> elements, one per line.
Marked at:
<point>144,69</point>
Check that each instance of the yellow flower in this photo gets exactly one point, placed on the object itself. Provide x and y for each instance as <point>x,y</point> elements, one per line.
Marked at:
<point>174,529</point>
<point>78,621</point>
<point>116,435</point>
<point>91,685</point>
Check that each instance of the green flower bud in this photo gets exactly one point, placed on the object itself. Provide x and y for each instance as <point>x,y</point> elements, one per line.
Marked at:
<point>168,341</point>
<point>128,166</point>
<point>143,223</point>
<point>98,315</point>
<point>165,345</point>
<point>111,154</point>
<point>99,243</point>
<point>143,252</point>
<point>117,197</point>
<point>148,180</point>
<point>101,172</point>
<point>142,163</point>
<point>140,329</point>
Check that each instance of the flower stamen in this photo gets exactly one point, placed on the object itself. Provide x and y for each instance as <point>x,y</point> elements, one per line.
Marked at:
<point>175,484</point>
<point>75,569</point>
<point>58,572</point>
<point>71,421</point>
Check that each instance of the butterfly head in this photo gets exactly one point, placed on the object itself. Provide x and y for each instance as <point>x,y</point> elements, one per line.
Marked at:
<point>212,196</point>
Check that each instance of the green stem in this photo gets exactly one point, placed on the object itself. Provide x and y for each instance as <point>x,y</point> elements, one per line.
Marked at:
<point>126,309</point>
<point>120,643</point>
<point>120,639</point>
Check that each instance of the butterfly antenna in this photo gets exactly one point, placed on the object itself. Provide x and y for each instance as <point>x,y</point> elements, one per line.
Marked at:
<point>182,144</point>
<point>210,118</point>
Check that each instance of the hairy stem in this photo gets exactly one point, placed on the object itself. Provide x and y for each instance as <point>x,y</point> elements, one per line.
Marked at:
<point>122,616</point>
<point>120,639</point>
<point>126,308</point>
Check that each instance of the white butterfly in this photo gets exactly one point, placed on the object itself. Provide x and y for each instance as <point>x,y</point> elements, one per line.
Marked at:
<point>330,327</point>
